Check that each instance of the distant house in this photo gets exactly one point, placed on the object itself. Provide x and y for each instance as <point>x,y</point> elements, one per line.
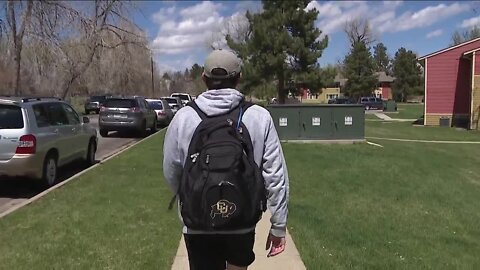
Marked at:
<point>384,87</point>
<point>452,85</point>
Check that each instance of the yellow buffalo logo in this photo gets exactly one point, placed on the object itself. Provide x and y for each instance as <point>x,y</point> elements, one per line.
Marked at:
<point>224,208</point>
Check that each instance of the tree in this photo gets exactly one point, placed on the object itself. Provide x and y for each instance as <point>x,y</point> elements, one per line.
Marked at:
<point>359,31</point>
<point>408,75</point>
<point>17,31</point>
<point>461,37</point>
<point>382,60</point>
<point>359,70</point>
<point>282,44</point>
<point>196,71</point>
<point>165,76</point>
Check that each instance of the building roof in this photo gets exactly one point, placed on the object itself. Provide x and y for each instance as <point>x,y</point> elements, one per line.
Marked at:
<point>382,77</point>
<point>448,49</point>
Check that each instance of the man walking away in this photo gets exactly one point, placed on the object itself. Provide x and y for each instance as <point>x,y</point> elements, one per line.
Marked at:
<point>224,162</point>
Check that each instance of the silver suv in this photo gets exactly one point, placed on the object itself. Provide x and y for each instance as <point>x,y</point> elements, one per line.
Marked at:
<point>38,135</point>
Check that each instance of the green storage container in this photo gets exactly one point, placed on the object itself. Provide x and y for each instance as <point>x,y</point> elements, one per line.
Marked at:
<point>390,106</point>
<point>319,122</point>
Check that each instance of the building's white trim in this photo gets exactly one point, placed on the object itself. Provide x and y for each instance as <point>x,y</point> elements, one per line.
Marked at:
<point>425,94</point>
<point>472,51</point>
<point>448,49</point>
<point>471,91</point>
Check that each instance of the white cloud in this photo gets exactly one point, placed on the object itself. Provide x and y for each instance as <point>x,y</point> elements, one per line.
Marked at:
<point>435,33</point>
<point>382,15</point>
<point>468,23</point>
<point>187,29</point>
<point>423,18</point>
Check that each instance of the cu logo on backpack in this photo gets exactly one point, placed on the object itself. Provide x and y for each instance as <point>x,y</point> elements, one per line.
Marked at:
<point>224,208</point>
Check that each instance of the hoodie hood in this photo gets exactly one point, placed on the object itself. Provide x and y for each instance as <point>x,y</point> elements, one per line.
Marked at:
<point>219,101</point>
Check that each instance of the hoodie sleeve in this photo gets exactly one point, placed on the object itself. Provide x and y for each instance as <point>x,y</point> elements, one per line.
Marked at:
<point>276,180</point>
<point>172,165</point>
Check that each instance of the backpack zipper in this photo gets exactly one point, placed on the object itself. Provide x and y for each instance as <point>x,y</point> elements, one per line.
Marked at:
<point>194,157</point>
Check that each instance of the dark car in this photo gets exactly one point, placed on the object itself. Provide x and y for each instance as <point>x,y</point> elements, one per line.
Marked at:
<point>341,100</point>
<point>163,111</point>
<point>371,103</point>
<point>94,103</point>
<point>174,102</point>
<point>127,114</point>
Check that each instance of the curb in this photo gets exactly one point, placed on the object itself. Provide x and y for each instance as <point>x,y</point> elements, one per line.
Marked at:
<point>61,184</point>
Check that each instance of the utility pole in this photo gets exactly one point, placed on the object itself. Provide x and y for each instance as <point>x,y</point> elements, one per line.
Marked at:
<point>153,82</point>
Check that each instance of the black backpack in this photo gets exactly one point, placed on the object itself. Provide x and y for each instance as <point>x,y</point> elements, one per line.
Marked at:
<point>221,188</point>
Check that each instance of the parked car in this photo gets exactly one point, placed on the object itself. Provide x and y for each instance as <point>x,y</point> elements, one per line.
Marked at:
<point>371,103</point>
<point>94,103</point>
<point>127,114</point>
<point>39,135</point>
<point>183,96</point>
<point>174,102</point>
<point>163,111</point>
<point>341,100</point>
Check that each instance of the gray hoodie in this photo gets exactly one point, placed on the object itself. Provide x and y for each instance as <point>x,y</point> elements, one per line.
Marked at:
<point>268,152</point>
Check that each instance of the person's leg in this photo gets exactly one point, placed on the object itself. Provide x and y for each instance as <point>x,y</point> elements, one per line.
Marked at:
<point>204,252</point>
<point>239,250</point>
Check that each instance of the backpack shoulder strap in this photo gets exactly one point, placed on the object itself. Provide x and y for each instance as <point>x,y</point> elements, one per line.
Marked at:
<point>200,113</point>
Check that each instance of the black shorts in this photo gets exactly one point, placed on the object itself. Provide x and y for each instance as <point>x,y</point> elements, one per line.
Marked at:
<point>212,252</point>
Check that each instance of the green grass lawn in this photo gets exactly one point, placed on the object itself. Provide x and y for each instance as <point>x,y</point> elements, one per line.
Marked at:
<point>403,206</point>
<point>405,130</point>
<point>407,111</point>
<point>113,217</point>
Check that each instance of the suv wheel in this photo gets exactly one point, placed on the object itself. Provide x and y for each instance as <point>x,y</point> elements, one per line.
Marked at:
<point>103,133</point>
<point>50,171</point>
<point>90,158</point>
<point>143,129</point>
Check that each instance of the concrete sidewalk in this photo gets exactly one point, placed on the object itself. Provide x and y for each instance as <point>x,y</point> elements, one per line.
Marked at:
<point>288,260</point>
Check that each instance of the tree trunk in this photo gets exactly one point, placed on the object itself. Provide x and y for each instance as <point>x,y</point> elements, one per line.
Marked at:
<point>281,87</point>
<point>18,38</point>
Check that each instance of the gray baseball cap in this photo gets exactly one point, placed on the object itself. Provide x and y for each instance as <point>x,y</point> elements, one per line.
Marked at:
<point>222,64</point>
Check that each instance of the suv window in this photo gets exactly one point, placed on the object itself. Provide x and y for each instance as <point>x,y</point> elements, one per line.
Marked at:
<point>41,115</point>
<point>372,99</point>
<point>98,98</point>
<point>120,103</point>
<point>364,100</point>
<point>57,114</point>
<point>72,116</point>
<point>11,117</point>
<point>156,105</point>
<point>172,100</point>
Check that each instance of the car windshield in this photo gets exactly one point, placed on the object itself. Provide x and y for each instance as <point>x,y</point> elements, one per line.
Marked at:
<point>10,117</point>
<point>182,97</point>
<point>120,103</point>
<point>156,105</point>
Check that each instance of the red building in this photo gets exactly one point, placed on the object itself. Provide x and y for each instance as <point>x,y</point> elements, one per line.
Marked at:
<point>452,85</point>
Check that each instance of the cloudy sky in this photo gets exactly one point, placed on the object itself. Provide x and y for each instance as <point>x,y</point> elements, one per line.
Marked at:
<point>180,31</point>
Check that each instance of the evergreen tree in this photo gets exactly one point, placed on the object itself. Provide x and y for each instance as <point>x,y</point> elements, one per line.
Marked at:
<point>408,75</point>
<point>284,45</point>
<point>382,61</point>
<point>359,69</point>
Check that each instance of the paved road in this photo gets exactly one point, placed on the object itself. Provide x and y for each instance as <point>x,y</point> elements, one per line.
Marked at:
<point>16,190</point>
